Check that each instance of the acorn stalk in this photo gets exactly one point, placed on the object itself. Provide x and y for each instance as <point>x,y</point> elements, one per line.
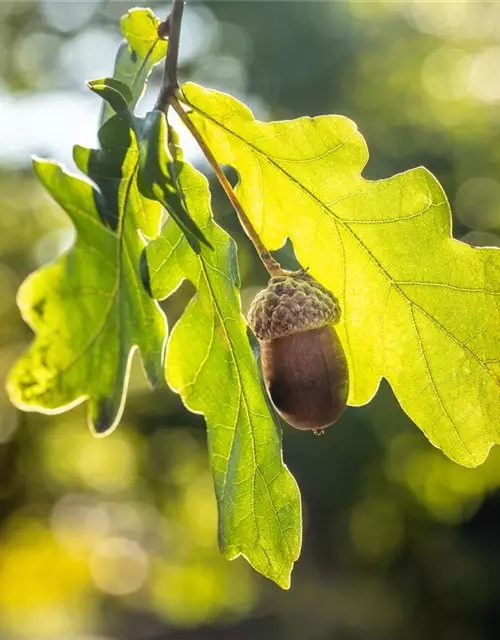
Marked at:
<point>303,363</point>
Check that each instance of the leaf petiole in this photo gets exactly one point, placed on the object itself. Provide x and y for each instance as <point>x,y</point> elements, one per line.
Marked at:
<point>272,266</point>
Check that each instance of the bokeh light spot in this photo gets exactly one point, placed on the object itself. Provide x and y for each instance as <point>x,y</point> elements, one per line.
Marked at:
<point>119,566</point>
<point>376,527</point>
<point>477,203</point>
<point>69,15</point>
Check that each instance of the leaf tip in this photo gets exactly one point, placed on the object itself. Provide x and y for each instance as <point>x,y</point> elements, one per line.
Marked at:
<point>103,418</point>
<point>37,162</point>
<point>285,584</point>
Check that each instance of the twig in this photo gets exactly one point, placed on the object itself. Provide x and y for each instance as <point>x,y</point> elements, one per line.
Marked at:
<point>169,82</point>
<point>167,96</point>
<point>272,266</point>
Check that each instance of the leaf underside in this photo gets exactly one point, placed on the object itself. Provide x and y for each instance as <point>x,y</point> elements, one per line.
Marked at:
<point>210,363</point>
<point>418,307</point>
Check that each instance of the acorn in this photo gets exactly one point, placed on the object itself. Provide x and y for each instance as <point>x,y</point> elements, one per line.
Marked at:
<point>303,363</point>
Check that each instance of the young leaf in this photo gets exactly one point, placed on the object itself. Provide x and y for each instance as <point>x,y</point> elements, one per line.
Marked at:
<point>210,363</point>
<point>141,50</point>
<point>418,307</point>
<point>89,309</point>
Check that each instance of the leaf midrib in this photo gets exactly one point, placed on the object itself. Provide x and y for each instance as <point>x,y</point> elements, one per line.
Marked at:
<point>113,294</point>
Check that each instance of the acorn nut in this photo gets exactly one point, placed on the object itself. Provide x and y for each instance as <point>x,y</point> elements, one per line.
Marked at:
<point>303,362</point>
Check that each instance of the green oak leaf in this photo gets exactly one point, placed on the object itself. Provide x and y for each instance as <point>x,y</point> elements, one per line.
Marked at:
<point>210,363</point>
<point>418,307</point>
<point>89,309</point>
<point>140,51</point>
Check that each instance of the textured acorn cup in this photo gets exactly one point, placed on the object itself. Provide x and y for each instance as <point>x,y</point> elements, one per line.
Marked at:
<point>303,362</point>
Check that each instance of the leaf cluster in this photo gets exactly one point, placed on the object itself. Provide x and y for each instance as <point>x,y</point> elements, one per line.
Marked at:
<point>418,308</point>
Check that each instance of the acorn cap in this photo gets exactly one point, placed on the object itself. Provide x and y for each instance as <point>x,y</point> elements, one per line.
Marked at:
<point>291,304</point>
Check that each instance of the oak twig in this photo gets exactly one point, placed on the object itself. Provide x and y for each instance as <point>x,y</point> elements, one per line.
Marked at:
<point>167,97</point>
<point>172,25</point>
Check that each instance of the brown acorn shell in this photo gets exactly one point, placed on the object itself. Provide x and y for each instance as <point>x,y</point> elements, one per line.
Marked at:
<point>307,377</point>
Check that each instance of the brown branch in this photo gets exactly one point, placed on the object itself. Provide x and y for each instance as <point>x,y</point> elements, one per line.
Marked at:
<point>170,82</point>
<point>167,96</point>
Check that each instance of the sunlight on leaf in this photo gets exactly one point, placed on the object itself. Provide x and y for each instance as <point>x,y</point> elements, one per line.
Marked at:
<point>89,309</point>
<point>418,307</point>
<point>211,364</point>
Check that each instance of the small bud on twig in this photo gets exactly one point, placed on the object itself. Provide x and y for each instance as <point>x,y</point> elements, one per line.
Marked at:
<point>164,29</point>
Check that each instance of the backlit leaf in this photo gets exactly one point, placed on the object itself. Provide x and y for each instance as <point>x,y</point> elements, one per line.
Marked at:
<point>89,309</point>
<point>211,364</point>
<point>418,307</point>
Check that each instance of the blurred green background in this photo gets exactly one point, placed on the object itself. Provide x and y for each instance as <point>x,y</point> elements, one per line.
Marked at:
<point>115,539</point>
